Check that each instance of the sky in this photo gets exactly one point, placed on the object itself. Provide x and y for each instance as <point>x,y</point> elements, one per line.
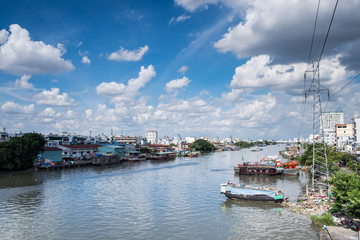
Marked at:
<point>215,68</point>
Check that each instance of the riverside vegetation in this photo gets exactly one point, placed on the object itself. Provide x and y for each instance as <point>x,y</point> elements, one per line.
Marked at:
<point>345,184</point>
<point>19,152</point>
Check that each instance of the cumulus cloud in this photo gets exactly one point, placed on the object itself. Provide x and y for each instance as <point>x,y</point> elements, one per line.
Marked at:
<point>15,108</point>
<point>176,84</point>
<point>121,92</point>
<point>3,36</point>
<point>85,60</point>
<point>54,98</point>
<point>259,73</point>
<point>88,113</point>
<point>181,18</point>
<point>130,56</point>
<point>183,69</point>
<point>23,82</point>
<point>279,29</point>
<point>20,55</point>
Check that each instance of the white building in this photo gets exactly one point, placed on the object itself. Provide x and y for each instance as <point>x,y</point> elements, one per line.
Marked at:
<point>329,137</point>
<point>151,136</point>
<point>330,119</point>
<point>357,130</point>
<point>190,139</point>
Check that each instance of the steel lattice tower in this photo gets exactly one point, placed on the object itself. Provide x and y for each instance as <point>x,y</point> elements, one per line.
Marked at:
<point>320,171</point>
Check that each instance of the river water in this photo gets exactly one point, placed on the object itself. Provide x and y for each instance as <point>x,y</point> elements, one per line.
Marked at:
<point>176,199</point>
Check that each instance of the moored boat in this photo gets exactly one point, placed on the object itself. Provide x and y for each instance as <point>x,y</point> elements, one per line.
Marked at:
<point>234,191</point>
<point>263,168</point>
<point>162,156</point>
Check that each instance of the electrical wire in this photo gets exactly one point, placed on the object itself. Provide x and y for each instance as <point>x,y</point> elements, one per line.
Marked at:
<point>313,36</point>
<point>345,86</point>
<point>327,34</point>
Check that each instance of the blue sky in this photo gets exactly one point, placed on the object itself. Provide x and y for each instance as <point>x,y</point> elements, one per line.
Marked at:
<point>200,68</point>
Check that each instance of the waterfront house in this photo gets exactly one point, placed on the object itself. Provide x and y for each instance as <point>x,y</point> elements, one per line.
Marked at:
<point>79,150</point>
<point>51,154</point>
<point>112,149</point>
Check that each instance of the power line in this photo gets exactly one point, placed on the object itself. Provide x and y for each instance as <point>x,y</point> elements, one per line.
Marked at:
<point>313,36</point>
<point>345,86</point>
<point>327,34</point>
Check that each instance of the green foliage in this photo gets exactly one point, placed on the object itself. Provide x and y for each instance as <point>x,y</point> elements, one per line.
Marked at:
<point>19,152</point>
<point>347,191</point>
<point>333,157</point>
<point>202,146</point>
<point>325,219</point>
<point>243,144</point>
<point>353,205</point>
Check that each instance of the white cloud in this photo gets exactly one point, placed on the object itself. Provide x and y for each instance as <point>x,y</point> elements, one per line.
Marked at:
<point>126,55</point>
<point>183,69</point>
<point>53,98</point>
<point>15,108</point>
<point>181,18</point>
<point>88,113</point>
<point>3,36</point>
<point>20,55</point>
<point>259,73</point>
<point>293,114</point>
<point>23,82</point>
<point>176,84</point>
<point>85,60</point>
<point>192,5</point>
<point>120,92</point>
<point>279,29</point>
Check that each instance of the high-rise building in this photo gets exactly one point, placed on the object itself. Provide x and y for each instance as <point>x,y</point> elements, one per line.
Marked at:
<point>330,119</point>
<point>357,129</point>
<point>151,136</point>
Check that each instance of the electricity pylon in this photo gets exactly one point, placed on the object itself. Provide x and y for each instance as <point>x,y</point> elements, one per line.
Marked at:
<point>320,171</point>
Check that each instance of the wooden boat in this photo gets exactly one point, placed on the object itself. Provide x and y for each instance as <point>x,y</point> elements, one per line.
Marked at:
<point>234,191</point>
<point>194,154</point>
<point>262,168</point>
<point>162,156</point>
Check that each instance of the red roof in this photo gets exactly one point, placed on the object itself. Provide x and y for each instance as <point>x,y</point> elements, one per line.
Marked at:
<point>82,146</point>
<point>52,149</point>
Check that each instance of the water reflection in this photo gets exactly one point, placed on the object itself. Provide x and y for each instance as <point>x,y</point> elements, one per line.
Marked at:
<point>258,180</point>
<point>19,179</point>
<point>26,203</point>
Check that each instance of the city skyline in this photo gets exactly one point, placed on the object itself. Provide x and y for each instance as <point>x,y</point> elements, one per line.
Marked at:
<point>200,68</point>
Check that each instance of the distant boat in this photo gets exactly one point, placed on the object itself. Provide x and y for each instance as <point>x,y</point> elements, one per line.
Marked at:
<point>234,191</point>
<point>256,150</point>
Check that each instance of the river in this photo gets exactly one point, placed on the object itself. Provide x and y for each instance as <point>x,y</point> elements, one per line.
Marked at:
<point>176,199</point>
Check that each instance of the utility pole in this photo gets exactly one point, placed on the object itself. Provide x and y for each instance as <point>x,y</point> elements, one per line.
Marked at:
<point>320,171</point>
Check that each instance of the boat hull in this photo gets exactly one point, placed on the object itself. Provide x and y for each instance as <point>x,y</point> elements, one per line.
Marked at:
<point>263,198</point>
<point>252,194</point>
<point>292,171</point>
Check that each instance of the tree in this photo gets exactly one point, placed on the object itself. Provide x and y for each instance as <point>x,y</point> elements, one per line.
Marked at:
<point>347,191</point>
<point>243,144</point>
<point>19,152</point>
<point>202,146</point>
